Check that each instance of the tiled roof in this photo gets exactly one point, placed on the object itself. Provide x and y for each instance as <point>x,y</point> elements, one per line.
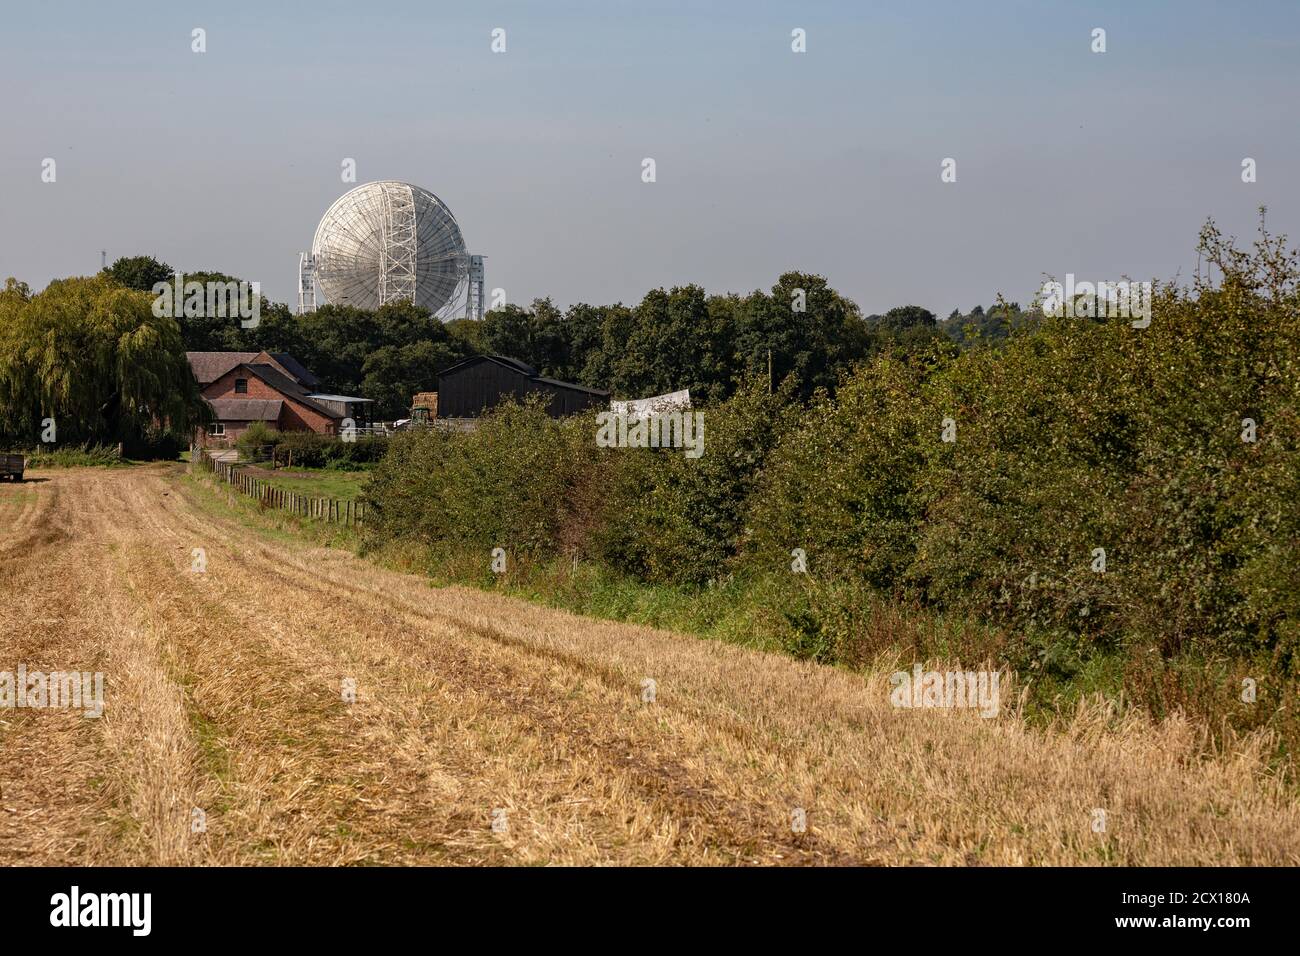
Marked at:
<point>296,369</point>
<point>246,409</point>
<point>285,385</point>
<point>210,366</point>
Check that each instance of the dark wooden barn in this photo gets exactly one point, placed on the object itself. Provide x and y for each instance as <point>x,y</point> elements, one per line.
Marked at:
<point>469,388</point>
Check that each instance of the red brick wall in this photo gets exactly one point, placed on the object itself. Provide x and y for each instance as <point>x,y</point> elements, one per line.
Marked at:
<point>233,431</point>
<point>294,416</point>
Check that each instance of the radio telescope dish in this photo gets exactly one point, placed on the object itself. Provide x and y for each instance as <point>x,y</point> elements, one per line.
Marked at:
<point>390,242</point>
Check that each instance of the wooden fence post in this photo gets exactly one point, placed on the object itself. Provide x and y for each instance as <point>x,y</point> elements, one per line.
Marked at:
<point>348,513</point>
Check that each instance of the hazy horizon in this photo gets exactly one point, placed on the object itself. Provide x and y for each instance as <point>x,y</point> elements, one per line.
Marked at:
<point>1099,164</point>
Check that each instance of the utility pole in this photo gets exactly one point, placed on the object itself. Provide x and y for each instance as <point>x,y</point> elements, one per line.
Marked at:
<point>769,371</point>
<point>103,258</point>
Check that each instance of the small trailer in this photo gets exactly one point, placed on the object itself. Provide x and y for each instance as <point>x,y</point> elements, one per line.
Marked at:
<point>11,466</point>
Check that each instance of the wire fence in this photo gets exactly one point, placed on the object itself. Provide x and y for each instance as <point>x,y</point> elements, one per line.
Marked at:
<point>271,496</point>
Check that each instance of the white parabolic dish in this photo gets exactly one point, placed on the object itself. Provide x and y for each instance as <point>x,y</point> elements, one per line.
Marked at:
<point>390,242</point>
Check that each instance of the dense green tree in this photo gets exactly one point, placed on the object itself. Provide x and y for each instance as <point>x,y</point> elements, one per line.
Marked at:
<point>217,326</point>
<point>278,331</point>
<point>583,335</point>
<point>394,373</point>
<point>597,334</point>
<point>812,333</point>
<point>905,317</point>
<point>336,342</point>
<point>982,328</point>
<point>675,342</point>
<point>468,336</point>
<point>535,335</point>
<point>138,272</point>
<point>91,355</point>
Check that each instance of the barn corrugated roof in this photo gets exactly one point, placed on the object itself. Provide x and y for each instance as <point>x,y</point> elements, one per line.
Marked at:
<point>572,386</point>
<point>523,368</point>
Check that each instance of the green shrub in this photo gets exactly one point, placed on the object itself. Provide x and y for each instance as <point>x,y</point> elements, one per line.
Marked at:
<point>675,518</point>
<point>312,450</point>
<point>511,483</point>
<point>255,439</point>
<point>75,456</point>
<point>842,486</point>
<point>1015,506</point>
<point>1078,437</point>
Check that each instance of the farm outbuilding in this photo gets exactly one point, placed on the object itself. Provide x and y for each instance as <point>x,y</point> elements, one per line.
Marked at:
<point>469,388</point>
<point>269,387</point>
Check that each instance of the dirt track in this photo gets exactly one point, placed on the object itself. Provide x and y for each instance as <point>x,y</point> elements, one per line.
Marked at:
<point>224,693</point>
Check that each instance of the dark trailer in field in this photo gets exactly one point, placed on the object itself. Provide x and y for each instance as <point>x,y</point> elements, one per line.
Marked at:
<point>469,388</point>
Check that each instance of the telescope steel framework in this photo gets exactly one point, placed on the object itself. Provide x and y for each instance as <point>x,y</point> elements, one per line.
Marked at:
<point>391,242</point>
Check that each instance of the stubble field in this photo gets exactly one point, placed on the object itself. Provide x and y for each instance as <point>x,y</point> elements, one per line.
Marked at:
<point>224,693</point>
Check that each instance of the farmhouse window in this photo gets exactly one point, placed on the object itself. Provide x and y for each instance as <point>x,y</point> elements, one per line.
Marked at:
<point>217,428</point>
<point>241,386</point>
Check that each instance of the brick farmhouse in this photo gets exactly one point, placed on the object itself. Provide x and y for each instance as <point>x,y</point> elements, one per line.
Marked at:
<point>274,388</point>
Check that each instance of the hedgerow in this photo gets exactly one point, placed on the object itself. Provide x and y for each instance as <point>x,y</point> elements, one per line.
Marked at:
<point>1115,500</point>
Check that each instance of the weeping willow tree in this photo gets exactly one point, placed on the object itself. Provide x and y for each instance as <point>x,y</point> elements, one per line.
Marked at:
<point>92,357</point>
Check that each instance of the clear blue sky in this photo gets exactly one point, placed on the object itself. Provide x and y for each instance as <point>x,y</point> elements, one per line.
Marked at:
<point>1067,161</point>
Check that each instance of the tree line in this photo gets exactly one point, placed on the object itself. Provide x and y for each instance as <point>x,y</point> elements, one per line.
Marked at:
<point>90,353</point>
<point>675,338</point>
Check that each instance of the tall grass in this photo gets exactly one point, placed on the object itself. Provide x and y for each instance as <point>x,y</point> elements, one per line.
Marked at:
<point>77,456</point>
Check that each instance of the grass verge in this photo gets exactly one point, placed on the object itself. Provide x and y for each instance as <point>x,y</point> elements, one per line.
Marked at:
<point>321,482</point>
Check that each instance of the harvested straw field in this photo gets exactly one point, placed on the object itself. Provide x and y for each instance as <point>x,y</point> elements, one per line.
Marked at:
<point>280,703</point>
